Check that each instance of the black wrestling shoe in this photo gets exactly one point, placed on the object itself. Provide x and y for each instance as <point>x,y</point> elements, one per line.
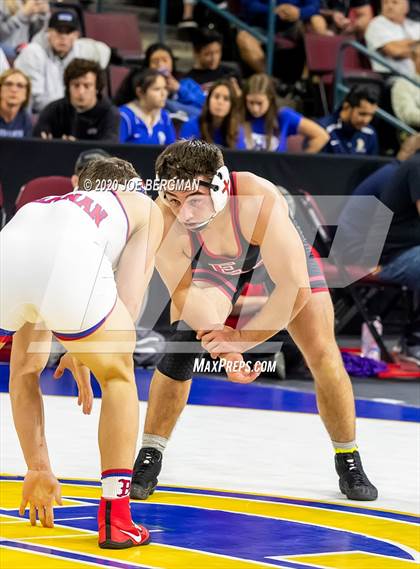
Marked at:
<point>353,481</point>
<point>145,472</point>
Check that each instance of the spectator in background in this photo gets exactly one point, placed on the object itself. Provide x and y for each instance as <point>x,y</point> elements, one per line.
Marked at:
<point>396,185</point>
<point>83,114</point>
<point>393,35</point>
<point>15,92</point>
<point>4,64</point>
<point>185,94</point>
<point>83,160</point>
<point>346,16</point>
<point>414,13</point>
<point>143,118</point>
<point>348,127</point>
<point>20,20</point>
<point>208,66</point>
<point>219,120</point>
<point>357,215</point>
<point>291,17</point>
<point>267,125</point>
<point>46,57</point>
<point>405,96</point>
<point>289,14</point>
<point>400,260</point>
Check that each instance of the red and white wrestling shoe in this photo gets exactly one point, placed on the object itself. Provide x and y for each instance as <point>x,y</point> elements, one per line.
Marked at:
<point>116,528</point>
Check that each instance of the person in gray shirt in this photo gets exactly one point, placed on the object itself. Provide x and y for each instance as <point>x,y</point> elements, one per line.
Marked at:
<point>20,20</point>
<point>46,57</point>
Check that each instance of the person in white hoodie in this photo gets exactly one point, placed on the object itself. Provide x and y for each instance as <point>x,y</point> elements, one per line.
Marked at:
<point>46,57</point>
<point>405,96</point>
<point>4,64</point>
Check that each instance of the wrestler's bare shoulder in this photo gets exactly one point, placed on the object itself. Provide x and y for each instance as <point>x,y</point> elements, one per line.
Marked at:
<point>248,184</point>
<point>140,210</point>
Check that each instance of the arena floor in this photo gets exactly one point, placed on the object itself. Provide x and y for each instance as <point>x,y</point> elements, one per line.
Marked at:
<point>248,481</point>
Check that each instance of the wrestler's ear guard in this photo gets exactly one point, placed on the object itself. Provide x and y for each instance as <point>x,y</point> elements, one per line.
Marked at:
<point>220,188</point>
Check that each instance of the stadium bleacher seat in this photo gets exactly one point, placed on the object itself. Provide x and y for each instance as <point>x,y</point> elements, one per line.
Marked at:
<point>118,30</point>
<point>321,60</point>
<point>41,187</point>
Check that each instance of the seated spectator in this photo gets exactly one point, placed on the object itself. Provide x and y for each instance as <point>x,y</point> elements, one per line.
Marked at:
<point>46,57</point>
<point>346,16</point>
<point>290,15</point>
<point>405,96</point>
<point>4,64</point>
<point>400,260</point>
<point>83,114</point>
<point>185,94</point>
<point>393,35</point>
<point>396,186</point>
<point>414,13</point>
<point>143,119</point>
<point>20,20</point>
<point>348,127</point>
<point>358,215</point>
<point>219,120</point>
<point>267,125</point>
<point>83,160</point>
<point>208,66</point>
<point>15,92</point>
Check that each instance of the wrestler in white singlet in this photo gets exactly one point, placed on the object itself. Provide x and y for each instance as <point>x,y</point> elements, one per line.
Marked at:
<point>57,257</point>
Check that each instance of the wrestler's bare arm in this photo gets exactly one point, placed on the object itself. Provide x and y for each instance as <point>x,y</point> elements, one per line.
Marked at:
<point>284,258</point>
<point>137,262</point>
<point>198,307</point>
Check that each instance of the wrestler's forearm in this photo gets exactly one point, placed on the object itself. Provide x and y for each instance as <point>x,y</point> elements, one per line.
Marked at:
<point>28,417</point>
<point>198,308</point>
<point>280,309</point>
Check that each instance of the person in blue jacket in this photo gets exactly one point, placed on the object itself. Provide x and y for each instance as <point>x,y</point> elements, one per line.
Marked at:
<point>143,117</point>
<point>292,18</point>
<point>267,126</point>
<point>15,94</point>
<point>349,126</point>
<point>219,122</point>
<point>185,94</point>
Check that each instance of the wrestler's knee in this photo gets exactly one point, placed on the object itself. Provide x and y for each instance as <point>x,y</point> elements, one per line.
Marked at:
<point>27,365</point>
<point>120,368</point>
<point>323,353</point>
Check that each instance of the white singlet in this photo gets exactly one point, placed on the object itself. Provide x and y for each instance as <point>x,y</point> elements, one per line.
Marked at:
<point>57,257</point>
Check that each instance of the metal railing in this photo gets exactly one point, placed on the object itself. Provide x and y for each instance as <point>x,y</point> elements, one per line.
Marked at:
<point>267,39</point>
<point>340,89</point>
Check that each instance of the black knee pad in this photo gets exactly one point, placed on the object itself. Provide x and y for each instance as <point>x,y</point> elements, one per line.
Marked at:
<point>176,363</point>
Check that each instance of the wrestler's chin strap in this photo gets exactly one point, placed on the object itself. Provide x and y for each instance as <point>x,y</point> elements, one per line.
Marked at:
<point>203,224</point>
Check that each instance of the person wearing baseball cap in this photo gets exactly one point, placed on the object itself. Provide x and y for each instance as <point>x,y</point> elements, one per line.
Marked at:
<point>64,21</point>
<point>49,53</point>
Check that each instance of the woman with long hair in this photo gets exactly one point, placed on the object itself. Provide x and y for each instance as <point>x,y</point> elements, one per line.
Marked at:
<point>184,94</point>
<point>143,117</point>
<point>15,94</point>
<point>219,121</point>
<point>268,125</point>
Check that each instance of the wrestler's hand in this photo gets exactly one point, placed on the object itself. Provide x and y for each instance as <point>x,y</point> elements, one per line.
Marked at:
<point>225,341</point>
<point>81,374</point>
<point>241,373</point>
<point>40,489</point>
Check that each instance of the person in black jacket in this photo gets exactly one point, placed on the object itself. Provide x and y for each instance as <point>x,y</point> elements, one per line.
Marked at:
<point>83,114</point>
